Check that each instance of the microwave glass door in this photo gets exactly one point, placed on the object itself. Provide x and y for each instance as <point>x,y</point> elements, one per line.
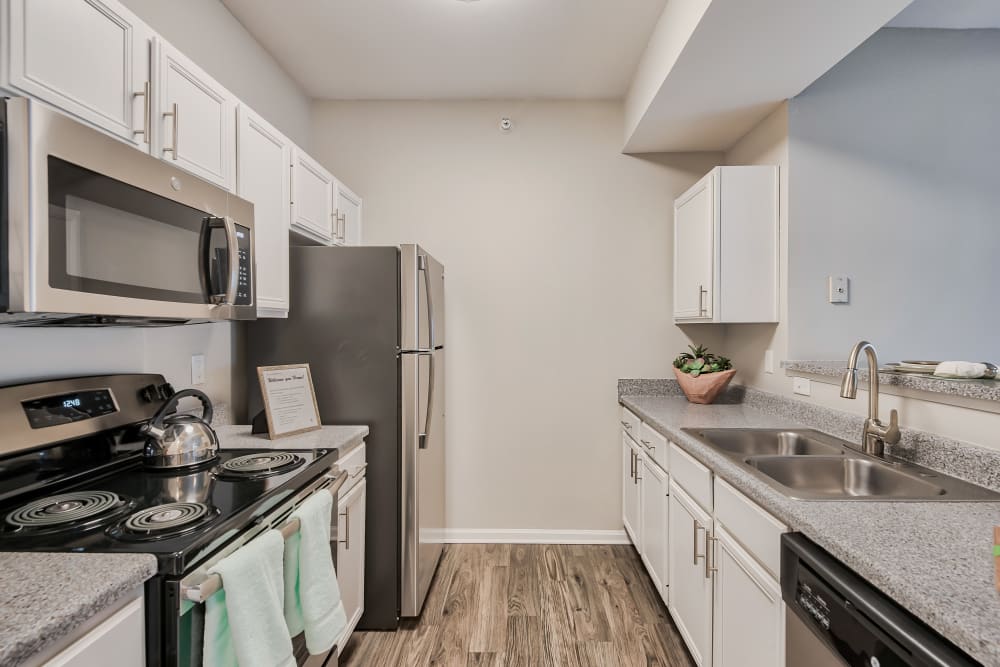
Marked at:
<point>108,237</point>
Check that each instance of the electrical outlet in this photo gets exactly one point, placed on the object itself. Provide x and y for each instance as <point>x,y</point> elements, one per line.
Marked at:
<point>840,289</point>
<point>802,386</point>
<point>769,361</point>
<point>197,369</point>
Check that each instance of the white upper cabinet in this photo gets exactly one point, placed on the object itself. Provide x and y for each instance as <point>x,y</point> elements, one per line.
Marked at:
<point>347,230</point>
<point>195,118</point>
<point>262,177</point>
<point>312,199</point>
<point>86,57</point>
<point>726,247</point>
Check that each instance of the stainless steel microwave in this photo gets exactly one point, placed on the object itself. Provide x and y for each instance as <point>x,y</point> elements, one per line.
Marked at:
<point>93,231</point>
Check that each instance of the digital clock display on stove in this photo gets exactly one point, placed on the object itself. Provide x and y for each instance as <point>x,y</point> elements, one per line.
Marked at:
<point>68,408</point>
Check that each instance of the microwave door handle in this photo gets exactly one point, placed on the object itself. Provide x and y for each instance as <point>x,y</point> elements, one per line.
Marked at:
<point>232,244</point>
<point>422,437</point>
<point>228,296</point>
<point>422,266</point>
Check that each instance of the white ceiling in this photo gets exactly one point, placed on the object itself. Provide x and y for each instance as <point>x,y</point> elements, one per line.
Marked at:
<point>425,49</point>
<point>956,14</point>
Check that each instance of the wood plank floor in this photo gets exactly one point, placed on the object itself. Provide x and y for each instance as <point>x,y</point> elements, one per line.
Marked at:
<point>532,606</point>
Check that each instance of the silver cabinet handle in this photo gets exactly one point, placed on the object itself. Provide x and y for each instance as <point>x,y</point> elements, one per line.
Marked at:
<point>628,427</point>
<point>637,476</point>
<point>697,527</point>
<point>701,299</point>
<point>347,528</point>
<point>710,566</point>
<point>360,469</point>
<point>146,113</point>
<point>342,227</point>
<point>647,443</point>
<point>631,464</point>
<point>173,114</point>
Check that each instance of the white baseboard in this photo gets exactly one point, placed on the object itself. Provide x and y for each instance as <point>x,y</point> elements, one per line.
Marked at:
<point>533,536</point>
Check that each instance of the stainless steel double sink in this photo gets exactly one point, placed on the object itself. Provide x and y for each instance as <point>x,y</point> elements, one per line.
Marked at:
<point>811,465</point>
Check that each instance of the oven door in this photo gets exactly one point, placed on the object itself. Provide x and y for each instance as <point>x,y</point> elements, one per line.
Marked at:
<point>98,228</point>
<point>175,632</point>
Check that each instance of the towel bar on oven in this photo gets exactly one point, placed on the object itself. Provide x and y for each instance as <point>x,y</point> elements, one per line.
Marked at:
<point>212,583</point>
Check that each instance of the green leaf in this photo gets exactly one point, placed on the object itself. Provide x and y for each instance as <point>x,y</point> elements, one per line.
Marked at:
<point>698,364</point>
<point>695,373</point>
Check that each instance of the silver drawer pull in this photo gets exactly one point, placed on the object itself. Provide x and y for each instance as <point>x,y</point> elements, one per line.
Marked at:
<point>360,469</point>
<point>347,528</point>
<point>697,527</point>
<point>628,427</point>
<point>710,566</point>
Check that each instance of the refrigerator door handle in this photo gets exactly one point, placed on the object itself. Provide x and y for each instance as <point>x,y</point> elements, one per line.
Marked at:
<point>423,268</point>
<point>422,436</point>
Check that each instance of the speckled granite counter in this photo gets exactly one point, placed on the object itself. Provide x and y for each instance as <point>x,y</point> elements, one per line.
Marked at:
<point>328,437</point>
<point>984,390</point>
<point>932,558</point>
<point>45,597</point>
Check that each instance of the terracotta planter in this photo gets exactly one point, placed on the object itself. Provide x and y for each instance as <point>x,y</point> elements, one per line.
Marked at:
<point>705,388</point>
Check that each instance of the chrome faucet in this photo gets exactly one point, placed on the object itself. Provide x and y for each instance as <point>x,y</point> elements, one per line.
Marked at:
<point>875,435</point>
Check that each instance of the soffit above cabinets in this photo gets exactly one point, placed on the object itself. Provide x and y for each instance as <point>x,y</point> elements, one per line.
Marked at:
<point>451,49</point>
<point>714,68</point>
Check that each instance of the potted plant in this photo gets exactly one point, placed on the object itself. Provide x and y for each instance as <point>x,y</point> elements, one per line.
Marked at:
<point>702,375</point>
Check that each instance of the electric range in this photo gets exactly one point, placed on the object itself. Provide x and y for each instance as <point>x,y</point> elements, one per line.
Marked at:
<point>72,480</point>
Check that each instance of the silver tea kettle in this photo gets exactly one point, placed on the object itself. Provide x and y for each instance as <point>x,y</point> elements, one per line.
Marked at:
<point>180,440</point>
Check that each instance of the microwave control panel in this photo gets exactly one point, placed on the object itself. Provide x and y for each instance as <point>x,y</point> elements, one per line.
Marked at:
<point>244,287</point>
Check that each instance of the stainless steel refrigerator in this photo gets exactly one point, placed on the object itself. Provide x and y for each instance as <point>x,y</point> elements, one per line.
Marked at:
<point>370,323</point>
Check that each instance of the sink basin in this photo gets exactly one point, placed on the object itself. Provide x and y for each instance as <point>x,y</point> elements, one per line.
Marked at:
<point>811,465</point>
<point>843,477</point>
<point>766,442</point>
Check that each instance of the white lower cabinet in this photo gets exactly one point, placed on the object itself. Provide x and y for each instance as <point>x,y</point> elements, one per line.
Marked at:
<point>749,623</point>
<point>655,492</point>
<point>119,641</point>
<point>690,577</point>
<point>631,498</point>
<point>351,556</point>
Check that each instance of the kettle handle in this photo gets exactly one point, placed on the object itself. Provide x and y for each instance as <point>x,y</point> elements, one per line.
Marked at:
<point>206,403</point>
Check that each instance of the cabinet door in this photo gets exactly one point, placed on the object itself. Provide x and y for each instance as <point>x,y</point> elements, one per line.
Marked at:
<point>630,496</point>
<point>196,118</point>
<point>262,177</point>
<point>312,198</point>
<point>694,250</point>
<point>654,523</point>
<point>348,216</point>
<point>87,57</point>
<point>351,556</point>
<point>120,641</point>
<point>749,626</point>
<point>690,599</point>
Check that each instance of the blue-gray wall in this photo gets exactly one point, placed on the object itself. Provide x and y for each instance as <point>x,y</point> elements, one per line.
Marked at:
<point>895,181</point>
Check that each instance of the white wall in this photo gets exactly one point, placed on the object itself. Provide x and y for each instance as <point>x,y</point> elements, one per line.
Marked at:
<point>206,32</point>
<point>895,185</point>
<point>554,247</point>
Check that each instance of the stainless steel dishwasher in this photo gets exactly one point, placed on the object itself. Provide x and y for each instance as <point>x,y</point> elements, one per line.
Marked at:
<point>837,618</point>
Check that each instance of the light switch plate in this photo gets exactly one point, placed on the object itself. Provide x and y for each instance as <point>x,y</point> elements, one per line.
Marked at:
<point>197,369</point>
<point>839,289</point>
<point>802,386</point>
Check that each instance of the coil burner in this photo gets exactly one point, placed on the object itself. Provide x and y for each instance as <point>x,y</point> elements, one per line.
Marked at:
<point>167,520</point>
<point>82,509</point>
<point>261,465</point>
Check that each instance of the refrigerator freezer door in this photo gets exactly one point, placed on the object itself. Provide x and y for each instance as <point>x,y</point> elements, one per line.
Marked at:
<point>423,475</point>
<point>422,296</point>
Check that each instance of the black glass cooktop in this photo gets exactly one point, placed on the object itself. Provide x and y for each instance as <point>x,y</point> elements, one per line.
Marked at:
<point>117,505</point>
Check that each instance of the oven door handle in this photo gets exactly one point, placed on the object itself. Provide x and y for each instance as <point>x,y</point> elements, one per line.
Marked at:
<point>212,583</point>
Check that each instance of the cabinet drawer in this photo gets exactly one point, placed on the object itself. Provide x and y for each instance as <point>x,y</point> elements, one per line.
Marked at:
<point>655,445</point>
<point>758,531</point>
<point>630,423</point>
<point>692,476</point>
<point>355,463</point>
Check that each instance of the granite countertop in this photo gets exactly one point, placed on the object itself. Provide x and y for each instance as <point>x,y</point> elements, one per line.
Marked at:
<point>44,597</point>
<point>981,389</point>
<point>933,558</point>
<point>342,438</point>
